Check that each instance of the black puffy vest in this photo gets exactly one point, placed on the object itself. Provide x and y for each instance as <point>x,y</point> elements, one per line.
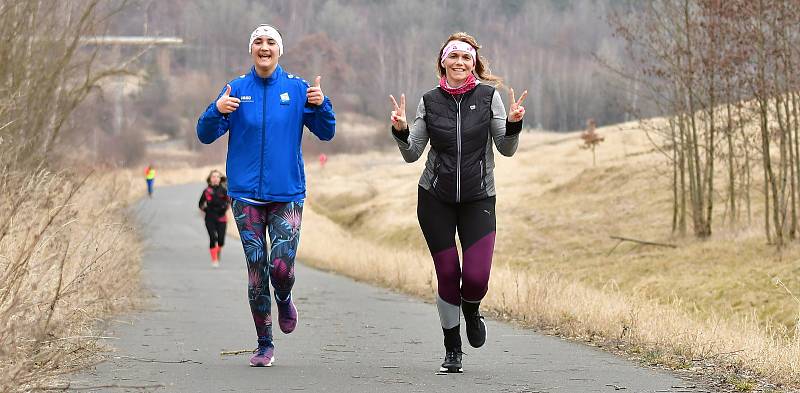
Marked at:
<point>458,127</point>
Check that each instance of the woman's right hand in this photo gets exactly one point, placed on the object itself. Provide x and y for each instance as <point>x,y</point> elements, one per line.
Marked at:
<point>227,104</point>
<point>399,113</point>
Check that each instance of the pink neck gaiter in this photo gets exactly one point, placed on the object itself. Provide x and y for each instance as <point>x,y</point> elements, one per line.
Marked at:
<point>468,85</point>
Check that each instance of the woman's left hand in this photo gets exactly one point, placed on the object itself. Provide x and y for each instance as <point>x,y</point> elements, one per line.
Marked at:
<point>516,112</point>
<point>314,94</point>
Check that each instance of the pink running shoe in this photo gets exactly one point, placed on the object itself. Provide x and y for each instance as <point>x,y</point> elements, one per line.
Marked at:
<point>263,357</point>
<point>287,315</point>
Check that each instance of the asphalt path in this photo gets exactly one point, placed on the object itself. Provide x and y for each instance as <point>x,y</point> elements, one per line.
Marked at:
<point>351,337</point>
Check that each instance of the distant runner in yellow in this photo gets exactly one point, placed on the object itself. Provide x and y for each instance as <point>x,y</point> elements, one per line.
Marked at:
<point>150,176</point>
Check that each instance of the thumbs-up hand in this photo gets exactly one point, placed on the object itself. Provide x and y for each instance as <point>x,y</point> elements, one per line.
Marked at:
<point>227,104</point>
<point>314,94</point>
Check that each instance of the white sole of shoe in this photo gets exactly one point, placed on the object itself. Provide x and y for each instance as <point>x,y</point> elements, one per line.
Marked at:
<point>450,370</point>
<point>269,364</point>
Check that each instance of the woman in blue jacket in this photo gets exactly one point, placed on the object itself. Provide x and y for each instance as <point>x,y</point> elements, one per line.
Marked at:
<point>265,111</point>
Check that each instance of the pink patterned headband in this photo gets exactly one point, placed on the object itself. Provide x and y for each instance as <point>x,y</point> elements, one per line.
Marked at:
<point>458,45</point>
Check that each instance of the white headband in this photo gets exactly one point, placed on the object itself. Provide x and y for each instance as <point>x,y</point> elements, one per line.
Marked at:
<point>459,45</point>
<point>270,32</point>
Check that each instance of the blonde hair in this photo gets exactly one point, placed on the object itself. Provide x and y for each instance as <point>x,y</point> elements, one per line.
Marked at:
<point>482,70</point>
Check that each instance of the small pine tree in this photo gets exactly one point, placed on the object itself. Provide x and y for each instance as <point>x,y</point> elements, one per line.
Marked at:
<point>591,139</point>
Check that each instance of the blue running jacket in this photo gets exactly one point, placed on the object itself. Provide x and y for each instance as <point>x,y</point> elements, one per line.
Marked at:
<point>265,160</point>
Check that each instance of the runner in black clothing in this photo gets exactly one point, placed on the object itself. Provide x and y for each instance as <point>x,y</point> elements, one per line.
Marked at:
<point>460,117</point>
<point>214,203</point>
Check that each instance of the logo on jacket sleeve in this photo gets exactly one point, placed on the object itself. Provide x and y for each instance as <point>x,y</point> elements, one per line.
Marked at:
<point>284,98</point>
<point>246,98</point>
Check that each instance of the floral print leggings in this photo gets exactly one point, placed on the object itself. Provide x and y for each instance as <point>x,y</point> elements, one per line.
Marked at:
<point>282,221</point>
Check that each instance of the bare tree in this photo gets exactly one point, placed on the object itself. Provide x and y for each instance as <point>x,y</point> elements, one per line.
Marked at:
<point>46,73</point>
<point>712,67</point>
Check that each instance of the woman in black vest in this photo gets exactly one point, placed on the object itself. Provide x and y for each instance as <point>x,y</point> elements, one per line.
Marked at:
<point>460,117</point>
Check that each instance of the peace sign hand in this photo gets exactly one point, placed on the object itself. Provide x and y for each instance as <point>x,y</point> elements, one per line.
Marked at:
<point>399,113</point>
<point>314,94</point>
<point>516,112</point>
<point>227,104</point>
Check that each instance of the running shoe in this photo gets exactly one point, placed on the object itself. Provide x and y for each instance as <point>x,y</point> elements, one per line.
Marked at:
<point>452,361</point>
<point>214,256</point>
<point>476,327</point>
<point>263,357</point>
<point>287,314</point>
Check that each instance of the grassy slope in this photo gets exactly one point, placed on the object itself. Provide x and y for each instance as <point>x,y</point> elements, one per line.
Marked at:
<point>556,213</point>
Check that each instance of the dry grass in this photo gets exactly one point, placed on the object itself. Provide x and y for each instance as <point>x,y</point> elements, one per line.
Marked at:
<point>706,301</point>
<point>68,257</point>
<point>407,270</point>
<point>84,265</point>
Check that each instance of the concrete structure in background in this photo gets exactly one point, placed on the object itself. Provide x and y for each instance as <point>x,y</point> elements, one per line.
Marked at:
<point>164,44</point>
<point>164,47</point>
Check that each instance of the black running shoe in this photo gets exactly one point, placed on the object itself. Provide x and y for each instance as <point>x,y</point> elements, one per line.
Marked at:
<point>452,362</point>
<point>476,327</point>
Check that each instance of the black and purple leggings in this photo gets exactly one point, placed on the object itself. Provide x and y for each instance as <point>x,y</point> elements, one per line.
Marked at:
<point>275,261</point>
<point>475,223</point>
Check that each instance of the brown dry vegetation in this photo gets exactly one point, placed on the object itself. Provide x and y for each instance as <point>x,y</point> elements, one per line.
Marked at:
<point>68,257</point>
<point>69,260</point>
<point>724,301</point>
<point>68,253</point>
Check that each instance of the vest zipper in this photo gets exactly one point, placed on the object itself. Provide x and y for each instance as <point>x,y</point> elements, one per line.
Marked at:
<point>458,147</point>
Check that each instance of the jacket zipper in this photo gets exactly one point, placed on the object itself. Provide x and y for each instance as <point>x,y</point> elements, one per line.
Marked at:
<point>458,146</point>
<point>263,140</point>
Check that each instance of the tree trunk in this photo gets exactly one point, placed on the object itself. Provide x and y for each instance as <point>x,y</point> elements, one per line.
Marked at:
<point>731,167</point>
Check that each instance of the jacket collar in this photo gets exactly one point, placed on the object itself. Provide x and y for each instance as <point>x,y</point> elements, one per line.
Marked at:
<point>271,79</point>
